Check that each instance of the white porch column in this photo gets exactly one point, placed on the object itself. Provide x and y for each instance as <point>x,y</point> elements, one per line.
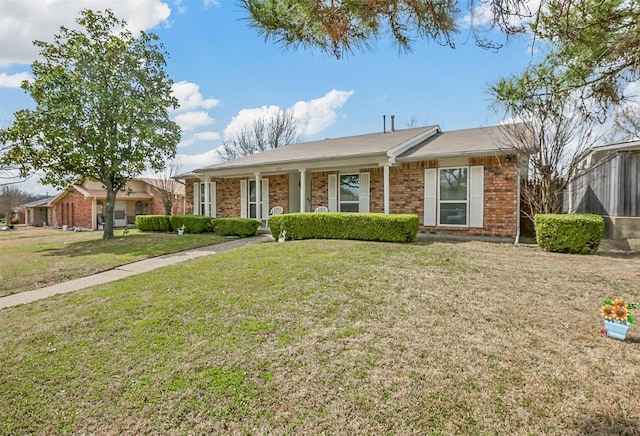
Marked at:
<point>386,188</point>
<point>206,197</point>
<point>258,198</point>
<point>303,190</point>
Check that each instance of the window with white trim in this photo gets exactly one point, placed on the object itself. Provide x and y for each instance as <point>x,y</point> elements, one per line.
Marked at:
<point>203,205</point>
<point>253,202</point>
<point>453,188</point>
<point>200,206</point>
<point>349,193</point>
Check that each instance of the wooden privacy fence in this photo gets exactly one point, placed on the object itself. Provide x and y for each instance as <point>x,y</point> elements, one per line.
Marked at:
<point>609,188</point>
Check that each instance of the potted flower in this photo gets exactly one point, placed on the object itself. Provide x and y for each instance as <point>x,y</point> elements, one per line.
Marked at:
<point>617,318</point>
<point>181,230</point>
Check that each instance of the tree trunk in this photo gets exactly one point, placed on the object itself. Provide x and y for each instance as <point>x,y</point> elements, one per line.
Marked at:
<point>108,210</point>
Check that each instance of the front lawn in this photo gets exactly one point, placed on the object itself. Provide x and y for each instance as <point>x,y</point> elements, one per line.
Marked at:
<point>336,337</point>
<point>32,257</point>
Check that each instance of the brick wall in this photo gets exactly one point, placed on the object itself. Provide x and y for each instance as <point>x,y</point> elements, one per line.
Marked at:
<point>500,196</point>
<point>279,191</point>
<point>320,189</point>
<point>228,197</point>
<point>156,205</point>
<point>73,210</point>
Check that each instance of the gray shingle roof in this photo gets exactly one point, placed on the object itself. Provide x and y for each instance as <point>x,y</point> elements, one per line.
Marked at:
<point>351,146</point>
<point>412,144</point>
<point>461,142</point>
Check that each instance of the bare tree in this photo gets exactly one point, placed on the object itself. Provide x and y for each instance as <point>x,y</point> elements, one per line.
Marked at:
<point>10,198</point>
<point>626,124</point>
<point>169,188</point>
<point>414,123</point>
<point>555,142</point>
<point>274,131</point>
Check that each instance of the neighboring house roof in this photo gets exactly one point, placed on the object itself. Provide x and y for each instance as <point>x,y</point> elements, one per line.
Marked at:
<point>374,149</point>
<point>43,202</point>
<point>174,186</point>
<point>601,153</point>
<point>121,195</point>
<point>101,194</point>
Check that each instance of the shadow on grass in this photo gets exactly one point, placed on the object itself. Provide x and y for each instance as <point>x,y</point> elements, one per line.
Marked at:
<point>609,426</point>
<point>136,246</point>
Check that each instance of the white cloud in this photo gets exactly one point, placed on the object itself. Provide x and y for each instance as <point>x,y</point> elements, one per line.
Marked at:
<point>22,22</point>
<point>246,116</point>
<point>207,136</point>
<point>192,138</point>
<point>13,80</point>
<point>194,161</point>
<point>316,115</point>
<point>190,98</point>
<point>209,3</point>
<point>313,116</point>
<point>191,120</point>
<point>483,15</point>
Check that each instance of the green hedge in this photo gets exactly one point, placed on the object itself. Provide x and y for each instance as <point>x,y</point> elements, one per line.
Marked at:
<point>192,223</point>
<point>153,223</point>
<point>166,223</point>
<point>336,225</point>
<point>575,233</point>
<point>242,227</point>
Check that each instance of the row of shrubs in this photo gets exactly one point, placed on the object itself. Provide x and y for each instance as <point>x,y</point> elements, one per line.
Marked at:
<point>364,227</point>
<point>197,224</point>
<point>564,233</point>
<point>336,225</point>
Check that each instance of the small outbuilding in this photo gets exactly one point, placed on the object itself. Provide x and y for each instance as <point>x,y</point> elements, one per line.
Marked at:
<point>608,184</point>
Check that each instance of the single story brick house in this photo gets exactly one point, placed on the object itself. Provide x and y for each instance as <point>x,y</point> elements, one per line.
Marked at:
<point>82,205</point>
<point>463,182</point>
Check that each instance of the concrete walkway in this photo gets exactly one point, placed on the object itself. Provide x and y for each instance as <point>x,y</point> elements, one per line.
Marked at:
<point>130,269</point>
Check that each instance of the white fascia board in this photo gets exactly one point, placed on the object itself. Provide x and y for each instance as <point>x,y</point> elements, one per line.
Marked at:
<point>396,151</point>
<point>460,154</point>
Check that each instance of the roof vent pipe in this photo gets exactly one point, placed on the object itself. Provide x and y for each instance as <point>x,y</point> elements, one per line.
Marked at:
<point>384,124</point>
<point>393,127</point>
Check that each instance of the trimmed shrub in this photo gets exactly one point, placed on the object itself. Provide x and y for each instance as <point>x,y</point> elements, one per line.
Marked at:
<point>192,223</point>
<point>569,233</point>
<point>242,227</point>
<point>153,223</point>
<point>337,225</point>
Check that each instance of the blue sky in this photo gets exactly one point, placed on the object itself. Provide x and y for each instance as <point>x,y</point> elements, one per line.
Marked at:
<point>226,74</point>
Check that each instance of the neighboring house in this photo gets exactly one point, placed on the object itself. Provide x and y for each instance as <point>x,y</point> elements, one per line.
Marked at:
<point>82,205</point>
<point>608,184</point>
<point>461,182</point>
<point>36,212</point>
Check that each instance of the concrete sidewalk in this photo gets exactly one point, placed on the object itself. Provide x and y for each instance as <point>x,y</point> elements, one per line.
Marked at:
<point>128,270</point>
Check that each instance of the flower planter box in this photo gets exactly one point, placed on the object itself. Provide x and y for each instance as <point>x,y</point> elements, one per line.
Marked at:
<point>616,329</point>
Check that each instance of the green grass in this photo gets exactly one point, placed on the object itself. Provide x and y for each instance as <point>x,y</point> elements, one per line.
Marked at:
<point>334,337</point>
<point>34,257</point>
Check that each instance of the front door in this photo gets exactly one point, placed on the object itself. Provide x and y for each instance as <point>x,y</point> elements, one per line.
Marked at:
<point>120,214</point>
